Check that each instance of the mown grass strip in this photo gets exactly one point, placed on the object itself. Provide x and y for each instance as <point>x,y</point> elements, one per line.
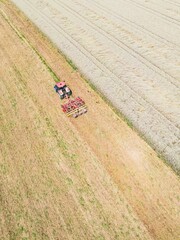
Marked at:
<point>70,62</point>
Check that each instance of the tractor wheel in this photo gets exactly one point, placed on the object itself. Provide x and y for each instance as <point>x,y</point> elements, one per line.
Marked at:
<point>75,115</point>
<point>69,93</point>
<point>61,96</point>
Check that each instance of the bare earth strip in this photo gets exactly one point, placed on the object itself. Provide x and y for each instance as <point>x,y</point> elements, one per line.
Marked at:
<point>85,178</point>
<point>130,50</point>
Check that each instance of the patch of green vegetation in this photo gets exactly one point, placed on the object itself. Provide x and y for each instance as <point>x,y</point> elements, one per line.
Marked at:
<point>70,62</point>
<point>101,237</point>
<point>85,189</point>
<point>48,122</point>
<point>3,169</point>
<point>129,123</point>
<point>18,233</point>
<point>69,225</point>
<point>34,235</point>
<point>62,144</point>
<point>73,156</point>
<point>82,201</point>
<point>17,71</point>
<point>106,225</point>
<point>75,165</point>
<point>69,181</point>
<point>64,149</point>
<point>13,102</point>
<point>21,37</point>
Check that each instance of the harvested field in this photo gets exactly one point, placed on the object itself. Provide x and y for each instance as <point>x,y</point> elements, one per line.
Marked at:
<point>61,178</point>
<point>130,50</point>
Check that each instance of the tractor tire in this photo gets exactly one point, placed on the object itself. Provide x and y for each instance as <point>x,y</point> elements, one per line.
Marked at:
<point>75,115</point>
<point>61,96</point>
<point>69,93</point>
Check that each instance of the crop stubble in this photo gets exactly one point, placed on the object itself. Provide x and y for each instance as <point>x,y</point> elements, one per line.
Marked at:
<point>72,179</point>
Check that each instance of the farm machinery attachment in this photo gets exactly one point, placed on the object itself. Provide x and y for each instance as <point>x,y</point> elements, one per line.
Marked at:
<point>74,106</point>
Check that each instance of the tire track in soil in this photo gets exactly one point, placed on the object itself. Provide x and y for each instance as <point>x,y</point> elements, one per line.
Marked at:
<point>153,11</point>
<point>168,9</point>
<point>135,25</point>
<point>147,62</point>
<point>173,2</point>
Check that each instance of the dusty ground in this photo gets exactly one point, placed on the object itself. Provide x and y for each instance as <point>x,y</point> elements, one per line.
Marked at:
<point>130,50</point>
<point>85,178</point>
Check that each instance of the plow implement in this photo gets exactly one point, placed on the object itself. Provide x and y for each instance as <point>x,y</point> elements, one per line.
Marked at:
<point>75,107</point>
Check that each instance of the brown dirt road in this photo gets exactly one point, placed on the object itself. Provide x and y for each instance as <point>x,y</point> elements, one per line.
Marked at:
<point>86,178</point>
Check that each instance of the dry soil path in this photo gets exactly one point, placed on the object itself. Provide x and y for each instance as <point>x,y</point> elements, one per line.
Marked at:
<point>130,50</point>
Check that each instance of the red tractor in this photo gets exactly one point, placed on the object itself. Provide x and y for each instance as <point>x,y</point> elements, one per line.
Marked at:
<point>74,107</point>
<point>63,90</point>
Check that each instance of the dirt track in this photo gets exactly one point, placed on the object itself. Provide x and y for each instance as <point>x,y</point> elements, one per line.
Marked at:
<point>85,178</point>
<point>130,51</point>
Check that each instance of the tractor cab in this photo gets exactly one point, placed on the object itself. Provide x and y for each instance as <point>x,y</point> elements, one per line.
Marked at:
<point>63,90</point>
